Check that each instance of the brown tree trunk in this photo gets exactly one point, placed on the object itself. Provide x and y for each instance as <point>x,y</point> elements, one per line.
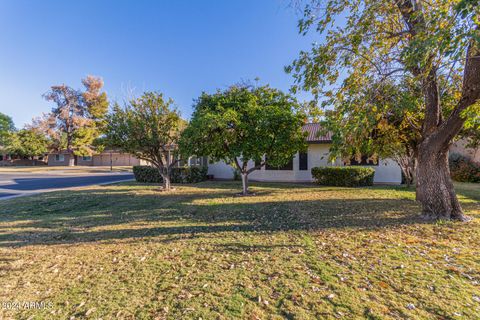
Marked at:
<point>407,164</point>
<point>434,185</point>
<point>244,184</point>
<point>166,178</point>
<point>408,173</point>
<point>166,183</point>
<point>435,189</point>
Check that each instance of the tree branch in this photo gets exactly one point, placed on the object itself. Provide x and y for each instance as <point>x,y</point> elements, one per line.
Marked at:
<point>470,94</point>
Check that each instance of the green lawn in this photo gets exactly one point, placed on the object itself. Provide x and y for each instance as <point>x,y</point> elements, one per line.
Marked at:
<point>292,251</point>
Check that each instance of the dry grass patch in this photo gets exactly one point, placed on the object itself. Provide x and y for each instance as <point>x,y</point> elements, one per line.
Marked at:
<point>292,251</point>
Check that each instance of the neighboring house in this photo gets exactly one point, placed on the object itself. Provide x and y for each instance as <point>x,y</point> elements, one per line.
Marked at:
<point>115,158</point>
<point>59,158</point>
<point>106,158</point>
<point>299,169</point>
<point>7,159</point>
<point>112,157</point>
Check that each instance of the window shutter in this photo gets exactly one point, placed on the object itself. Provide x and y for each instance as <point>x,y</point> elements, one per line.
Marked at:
<point>303,163</point>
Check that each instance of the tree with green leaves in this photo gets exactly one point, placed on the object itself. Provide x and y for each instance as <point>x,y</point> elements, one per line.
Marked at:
<point>78,118</point>
<point>379,121</point>
<point>148,127</point>
<point>96,103</point>
<point>245,124</point>
<point>368,41</point>
<point>6,128</point>
<point>28,142</point>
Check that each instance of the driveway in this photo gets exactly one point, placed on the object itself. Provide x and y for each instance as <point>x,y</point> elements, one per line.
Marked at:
<point>17,184</point>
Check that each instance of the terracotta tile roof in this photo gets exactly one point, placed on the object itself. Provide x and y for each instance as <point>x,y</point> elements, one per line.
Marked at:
<point>313,130</point>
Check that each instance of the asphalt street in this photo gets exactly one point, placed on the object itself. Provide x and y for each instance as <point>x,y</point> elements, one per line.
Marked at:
<point>15,184</point>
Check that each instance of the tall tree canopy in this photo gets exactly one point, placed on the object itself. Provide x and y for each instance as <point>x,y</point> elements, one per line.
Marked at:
<point>148,127</point>
<point>96,102</point>
<point>243,124</point>
<point>425,42</point>
<point>384,124</point>
<point>28,142</point>
<point>77,119</point>
<point>6,127</point>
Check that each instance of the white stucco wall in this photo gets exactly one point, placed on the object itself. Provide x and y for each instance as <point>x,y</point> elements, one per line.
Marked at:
<point>387,170</point>
<point>220,170</point>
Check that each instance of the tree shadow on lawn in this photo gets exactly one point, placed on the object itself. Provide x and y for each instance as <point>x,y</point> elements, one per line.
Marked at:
<point>124,203</point>
<point>241,247</point>
<point>104,214</point>
<point>268,216</point>
<point>236,185</point>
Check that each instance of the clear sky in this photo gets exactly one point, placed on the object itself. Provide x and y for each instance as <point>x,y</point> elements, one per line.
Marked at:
<point>180,48</point>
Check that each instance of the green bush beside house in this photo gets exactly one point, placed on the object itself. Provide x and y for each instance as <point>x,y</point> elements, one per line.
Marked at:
<point>463,169</point>
<point>148,174</point>
<point>343,176</point>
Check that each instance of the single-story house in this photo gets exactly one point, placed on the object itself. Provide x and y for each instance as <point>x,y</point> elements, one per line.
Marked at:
<point>112,157</point>
<point>105,158</point>
<point>299,169</point>
<point>7,159</point>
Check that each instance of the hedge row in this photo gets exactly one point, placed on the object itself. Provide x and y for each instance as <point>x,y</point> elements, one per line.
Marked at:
<point>463,169</point>
<point>343,176</point>
<point>150,174</point>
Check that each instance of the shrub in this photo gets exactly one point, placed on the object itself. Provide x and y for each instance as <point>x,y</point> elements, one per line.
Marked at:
<point>463,169</point>
<point>149,174</point>
<point>146,174</point>
<point>343,176</point>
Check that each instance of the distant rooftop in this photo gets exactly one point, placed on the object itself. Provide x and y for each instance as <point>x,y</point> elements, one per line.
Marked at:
<point>313,130</point>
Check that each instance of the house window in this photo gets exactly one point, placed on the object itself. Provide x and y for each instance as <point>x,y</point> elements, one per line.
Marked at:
<point>365,161</point>
<point>59,157</point>
<point>195,161</point>
<point>86,158</point>
<point>288,166</point>
<point>303,161</point>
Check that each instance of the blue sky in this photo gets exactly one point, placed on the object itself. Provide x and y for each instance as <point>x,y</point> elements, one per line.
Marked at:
<point>180,48</point>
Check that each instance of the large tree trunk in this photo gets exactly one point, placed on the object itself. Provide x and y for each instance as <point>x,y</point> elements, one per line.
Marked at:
<point>244,184</point>
<point>434,185</point>
<point>407,164</point>
<point>166,183</point>
<point>166,178</point>
<point>435,189</point>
